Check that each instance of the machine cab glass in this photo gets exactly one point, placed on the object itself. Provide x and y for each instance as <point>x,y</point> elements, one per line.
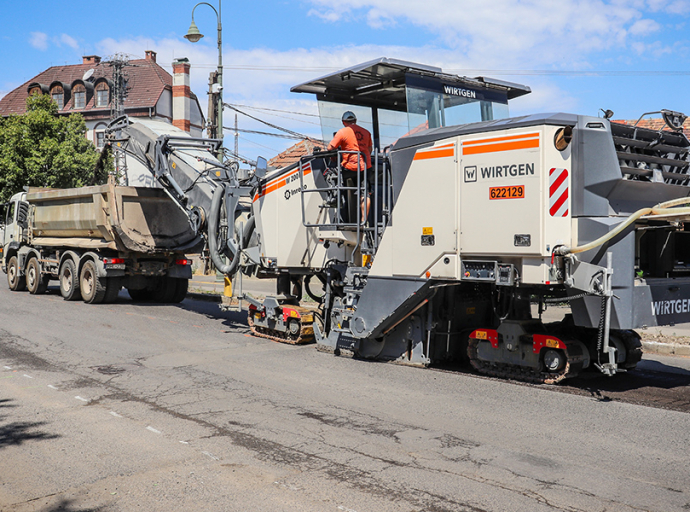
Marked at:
<point>392,98</point>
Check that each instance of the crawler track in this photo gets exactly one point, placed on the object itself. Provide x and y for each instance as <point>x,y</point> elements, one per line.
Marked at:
<point>305,335</point>
<point>524,374</point>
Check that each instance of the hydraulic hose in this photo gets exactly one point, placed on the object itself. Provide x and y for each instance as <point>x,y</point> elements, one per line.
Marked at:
<point>213,219</point>
<point>660,210</point>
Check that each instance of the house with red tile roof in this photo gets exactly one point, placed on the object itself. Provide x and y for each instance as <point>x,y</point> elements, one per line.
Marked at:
<point>656,124</point>
<point>292,154</point>
<point>87,88</point>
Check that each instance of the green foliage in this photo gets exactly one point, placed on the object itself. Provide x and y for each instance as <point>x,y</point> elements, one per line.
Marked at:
<point>40,149</point>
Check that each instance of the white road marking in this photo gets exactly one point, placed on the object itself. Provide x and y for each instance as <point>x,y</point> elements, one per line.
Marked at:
<point>153,430</point>
<point>115,414</point>
<point>80,398</point>
<point>52,387</point>
<point>211,455</point>
<point>28,376</point>
<point>184,442</point>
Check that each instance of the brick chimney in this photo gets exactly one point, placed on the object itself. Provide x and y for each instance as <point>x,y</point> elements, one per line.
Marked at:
<point>151,55</point>
<point>182,95</point>
<point>91,59</point>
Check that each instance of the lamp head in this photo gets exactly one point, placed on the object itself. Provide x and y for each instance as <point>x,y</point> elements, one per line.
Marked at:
<point>193,34</point>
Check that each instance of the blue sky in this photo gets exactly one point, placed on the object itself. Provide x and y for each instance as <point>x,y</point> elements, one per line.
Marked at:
<point>630,56</point>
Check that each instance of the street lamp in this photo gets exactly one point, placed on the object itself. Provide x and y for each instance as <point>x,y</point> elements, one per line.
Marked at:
<point>193,35</point>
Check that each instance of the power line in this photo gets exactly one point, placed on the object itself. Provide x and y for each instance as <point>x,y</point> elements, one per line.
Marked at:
<point>274,126</point>
<point>279,135</point>
<point>469,71</point>
<point>273,110</point>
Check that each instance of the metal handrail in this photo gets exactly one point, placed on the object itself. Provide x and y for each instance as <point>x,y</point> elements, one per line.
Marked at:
<point>380,201</point>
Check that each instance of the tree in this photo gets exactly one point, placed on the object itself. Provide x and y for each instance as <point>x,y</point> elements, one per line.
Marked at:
<point>41,149</point>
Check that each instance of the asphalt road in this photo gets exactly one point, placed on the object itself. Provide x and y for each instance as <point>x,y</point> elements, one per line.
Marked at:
<point>148,407</point>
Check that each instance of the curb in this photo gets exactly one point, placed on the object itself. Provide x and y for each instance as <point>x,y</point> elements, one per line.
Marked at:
<point>208,297</point>
<point>666,349</point>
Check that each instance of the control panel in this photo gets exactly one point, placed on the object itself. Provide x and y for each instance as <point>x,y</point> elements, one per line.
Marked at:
<point>501,274</point>
<point>479,271</point>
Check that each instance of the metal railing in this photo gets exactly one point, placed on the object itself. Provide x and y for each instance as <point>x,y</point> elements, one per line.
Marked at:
<point>340,199</point>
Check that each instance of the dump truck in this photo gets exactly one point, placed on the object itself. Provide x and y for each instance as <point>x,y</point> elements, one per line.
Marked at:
<point>95,241</point>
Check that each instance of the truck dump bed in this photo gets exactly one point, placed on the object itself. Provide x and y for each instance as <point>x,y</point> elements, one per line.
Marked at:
<point>108,216</point>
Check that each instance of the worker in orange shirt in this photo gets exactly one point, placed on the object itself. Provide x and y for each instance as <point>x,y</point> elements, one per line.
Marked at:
<point>356,139</point>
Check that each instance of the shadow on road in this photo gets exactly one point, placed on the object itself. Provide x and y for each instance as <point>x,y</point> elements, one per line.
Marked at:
<point>19,432</point>
<point>67,505</point>
<point>15,434</point>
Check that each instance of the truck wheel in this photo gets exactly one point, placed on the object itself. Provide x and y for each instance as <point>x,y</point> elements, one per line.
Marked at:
<point>15,281</point>
<point>181,286</point>
<point>112,289</point>
<point>92,287</point>
<point>164,291</point>
<point>34,280</point>
<point>69,280</point>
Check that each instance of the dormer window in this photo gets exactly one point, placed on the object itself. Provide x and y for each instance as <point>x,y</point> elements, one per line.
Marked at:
<point>79,95</point>
<point>58,95</point>
<point>102,95</point>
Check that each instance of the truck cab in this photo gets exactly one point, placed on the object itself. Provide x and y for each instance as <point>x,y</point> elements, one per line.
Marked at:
<point>13,216</point>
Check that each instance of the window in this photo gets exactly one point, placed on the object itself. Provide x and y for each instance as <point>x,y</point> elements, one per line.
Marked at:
<point>432,109</point>
<point>102,95</point>
<point>100,139</point>
<point>79,94</point>
<point>58,96</point>
<point>10,214</point>
<point>34,91</point>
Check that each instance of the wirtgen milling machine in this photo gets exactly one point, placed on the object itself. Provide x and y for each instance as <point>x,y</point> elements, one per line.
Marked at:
<point>474,217</point>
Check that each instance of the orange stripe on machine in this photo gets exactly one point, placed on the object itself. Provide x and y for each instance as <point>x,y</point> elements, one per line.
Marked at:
<point>280,182</point>
<point>497,144</point>
<point>436,152</point>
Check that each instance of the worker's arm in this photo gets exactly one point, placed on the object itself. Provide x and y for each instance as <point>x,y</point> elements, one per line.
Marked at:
<point>336,142</point>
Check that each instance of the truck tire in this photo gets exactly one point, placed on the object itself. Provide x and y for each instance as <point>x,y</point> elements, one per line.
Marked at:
<point>181,286</point>
<point>69,280</point>
<point>112,289</point>
<point>16,282</point>
<point>92,287</point>
<point>164,292</point>
<point>35,282</point>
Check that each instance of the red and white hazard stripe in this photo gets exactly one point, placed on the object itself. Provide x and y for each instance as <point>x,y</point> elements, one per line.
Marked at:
<point>558,192</point>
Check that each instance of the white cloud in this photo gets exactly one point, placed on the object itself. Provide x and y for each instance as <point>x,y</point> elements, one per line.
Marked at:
<point>509,34</point>
<point>69,41</point>
<point>644,27</point>
<point>39,40</point>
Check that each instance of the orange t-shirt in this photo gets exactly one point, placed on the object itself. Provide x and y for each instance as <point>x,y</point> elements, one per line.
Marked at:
<point>353,138</point>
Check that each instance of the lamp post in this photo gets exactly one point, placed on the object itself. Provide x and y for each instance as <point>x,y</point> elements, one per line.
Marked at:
<point>193,35</point>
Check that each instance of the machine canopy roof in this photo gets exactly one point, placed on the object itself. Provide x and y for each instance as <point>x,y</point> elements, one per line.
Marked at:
<point>382,83</point>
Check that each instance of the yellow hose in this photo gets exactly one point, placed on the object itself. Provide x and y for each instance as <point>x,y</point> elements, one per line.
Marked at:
<point>660,209</point>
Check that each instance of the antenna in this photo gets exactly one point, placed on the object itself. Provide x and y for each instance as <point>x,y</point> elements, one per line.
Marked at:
<point>119,62</point>
<point>87,74</point>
